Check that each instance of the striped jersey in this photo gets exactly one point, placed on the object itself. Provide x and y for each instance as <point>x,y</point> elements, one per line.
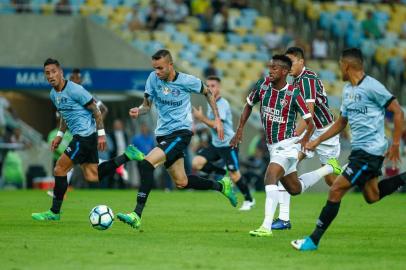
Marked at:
<point>312,90</point>
<point>278,109</point>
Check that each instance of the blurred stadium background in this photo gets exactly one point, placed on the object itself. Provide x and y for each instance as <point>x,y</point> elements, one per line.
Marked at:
<point>111,41</point>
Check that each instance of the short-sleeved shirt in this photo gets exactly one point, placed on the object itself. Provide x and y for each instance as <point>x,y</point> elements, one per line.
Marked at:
<point>172,101</point>
<point>226,117</point>
<point>364,105</point>
<point>312,90</point>
<point>71,103</point>
<point>278,109</point>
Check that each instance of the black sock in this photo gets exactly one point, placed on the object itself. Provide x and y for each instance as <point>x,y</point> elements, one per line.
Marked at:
<point>327,215</point>
<point>389,185</point>
<point>209,168</point>
<point>120,160</point>
<point>244,189</point>
<point>145,187</point>
<point>107,169</point>
<point>200,183</point>
<point>61,185</point>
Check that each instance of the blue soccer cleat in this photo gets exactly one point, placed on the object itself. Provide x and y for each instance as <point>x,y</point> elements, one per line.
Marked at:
<point>305,244</point>
<point>279,224</point>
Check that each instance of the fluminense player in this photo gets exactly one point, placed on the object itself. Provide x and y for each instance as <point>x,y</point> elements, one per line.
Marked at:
<point>170,91</point>
<point>221,149</point>
<point>312,90</point>
<point>363,106</point>
<point>279,104</point>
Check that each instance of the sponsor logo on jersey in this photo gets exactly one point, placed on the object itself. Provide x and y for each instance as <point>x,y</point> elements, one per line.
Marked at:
<point>175,92</point>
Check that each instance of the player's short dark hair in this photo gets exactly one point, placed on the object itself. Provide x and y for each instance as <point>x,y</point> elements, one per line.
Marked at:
<point>214,78</point>
<point>162,53</point>
<point>51,61</point>
<point>284,59</point>
<point>76,71</point>
<point>354,53</point>
<point>296,51</point>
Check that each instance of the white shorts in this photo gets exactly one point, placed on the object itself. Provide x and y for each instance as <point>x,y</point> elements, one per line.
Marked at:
<point>327,149</point>
<point>285,153</point>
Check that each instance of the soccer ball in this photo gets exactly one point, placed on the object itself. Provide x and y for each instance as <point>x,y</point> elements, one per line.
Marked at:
<point>101,217</point>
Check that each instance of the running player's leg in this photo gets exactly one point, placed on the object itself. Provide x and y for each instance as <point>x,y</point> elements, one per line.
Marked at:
<point>274,172</point>
<point>154,158</point>
<point>374,191</point>
<point>63,166</point>
<point>177,172</point>
<point>108,168</point>
<point>204,161</point>
<point>230,156</point>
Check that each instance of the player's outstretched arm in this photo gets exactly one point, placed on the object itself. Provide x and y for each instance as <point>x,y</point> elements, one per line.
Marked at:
<point>301,127</point>
<point>243,119</point>
<point>144,108</point>
<point>101,139</point>
<point>218,125</point>
<point>310,127</point>
<point>335,129</point>
<point>398,117</point>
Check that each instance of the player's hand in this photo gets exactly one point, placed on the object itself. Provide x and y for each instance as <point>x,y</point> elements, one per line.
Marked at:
<point>198,113</point>
<point>303,142</point>
<point>311,146</point>
<point>218,126</point>
<point>101,143</point>
<point>55,143</point>
<point>237,139</point>
<point>134,112</point>
<point>393,155</point>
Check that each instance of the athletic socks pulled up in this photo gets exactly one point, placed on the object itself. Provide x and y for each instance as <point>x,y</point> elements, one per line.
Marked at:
<point>61,185</point>
<point>145,187</point>
<point>327,215</point>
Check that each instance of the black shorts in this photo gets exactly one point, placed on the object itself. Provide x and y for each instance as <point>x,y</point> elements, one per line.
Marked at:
<point>228,154</point>
<point>362,167</point>
<point>174,145</point>
<point>83,149</point>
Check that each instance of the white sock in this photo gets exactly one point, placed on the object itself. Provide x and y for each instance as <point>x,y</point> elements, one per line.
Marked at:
<point>271,201</point>
<point>284,203</point>
<point>309,179</point>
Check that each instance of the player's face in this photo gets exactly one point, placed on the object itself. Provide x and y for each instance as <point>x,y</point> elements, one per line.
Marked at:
<point>214,87</point>
<point>344,69</point>
<point>297,65</point>
<point>277,71</point>
<point>54,75</point>
<point>162,68</point>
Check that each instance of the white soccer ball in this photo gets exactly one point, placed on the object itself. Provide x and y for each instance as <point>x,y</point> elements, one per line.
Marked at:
<point>101,217</point>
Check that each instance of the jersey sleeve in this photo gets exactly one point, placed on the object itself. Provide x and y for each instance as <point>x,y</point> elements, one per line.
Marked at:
<point>301,106</point>
<point>149,87</point>
<point>194,84</point>
<point>81,95</point>
<point>308,89</point>
<point>253,97</point>
<point>380,95</point>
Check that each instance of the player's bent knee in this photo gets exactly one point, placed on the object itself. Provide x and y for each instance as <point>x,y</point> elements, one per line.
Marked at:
<point>198,163</point>
<point>181,184</point>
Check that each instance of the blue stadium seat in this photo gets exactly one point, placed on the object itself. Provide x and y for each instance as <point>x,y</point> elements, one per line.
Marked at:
<point>396,65</point>
<point>327,75</point>
<point>326,19</point>
<point>112,3</point>
<point>234,39</point>
<point>193,47</point>
<point>199,63</point>
<point>249,13</point>
<point>225,55</point>
<point>170,28</point>
<point>368,47</point>
<point>246,56</point>
<point>180,38</point>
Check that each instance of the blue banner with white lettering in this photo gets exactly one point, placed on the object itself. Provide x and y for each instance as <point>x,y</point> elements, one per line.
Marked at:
<point>93,79</point>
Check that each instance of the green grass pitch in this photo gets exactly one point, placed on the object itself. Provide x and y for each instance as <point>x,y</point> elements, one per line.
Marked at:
<point>197,230</point>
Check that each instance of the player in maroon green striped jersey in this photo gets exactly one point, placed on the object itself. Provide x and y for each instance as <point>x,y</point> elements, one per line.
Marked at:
<point>312,89</point>
<point>279,104</point>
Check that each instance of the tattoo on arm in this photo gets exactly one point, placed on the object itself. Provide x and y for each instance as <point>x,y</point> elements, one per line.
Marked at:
<point>212,102</point>
<point>97,115</point>
<point>145,107</point>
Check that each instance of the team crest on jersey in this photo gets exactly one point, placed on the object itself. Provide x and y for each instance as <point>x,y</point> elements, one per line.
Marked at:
<point>264,87</point>
<point>284,102</point>
<point>166,91</point>
<point>175,92</point>
<point>289,92</point>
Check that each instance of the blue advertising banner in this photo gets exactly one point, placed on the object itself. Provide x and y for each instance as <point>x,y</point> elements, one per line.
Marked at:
<point>93,79</point>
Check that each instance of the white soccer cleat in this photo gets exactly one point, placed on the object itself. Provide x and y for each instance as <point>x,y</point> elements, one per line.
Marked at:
<point>247,205</point>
